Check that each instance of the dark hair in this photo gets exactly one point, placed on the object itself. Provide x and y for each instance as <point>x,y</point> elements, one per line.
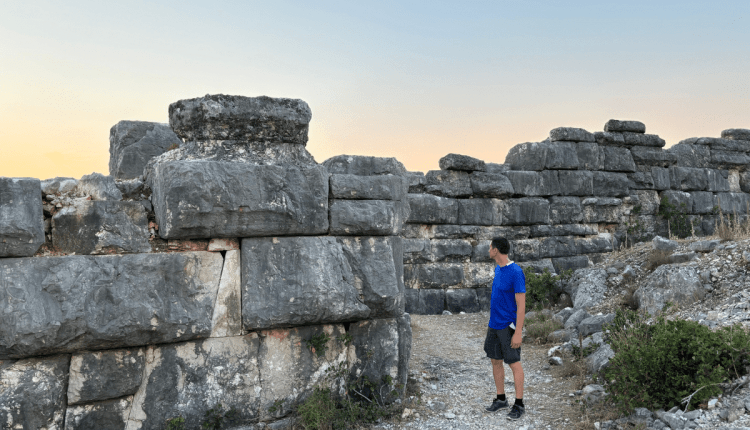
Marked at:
<point>501,244</point>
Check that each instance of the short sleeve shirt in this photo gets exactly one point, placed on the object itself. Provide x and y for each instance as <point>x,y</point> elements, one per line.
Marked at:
<point>509,281</point>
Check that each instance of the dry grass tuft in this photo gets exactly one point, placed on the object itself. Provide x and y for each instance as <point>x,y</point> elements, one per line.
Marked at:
<point>656,258</point>
<point>539,326</point>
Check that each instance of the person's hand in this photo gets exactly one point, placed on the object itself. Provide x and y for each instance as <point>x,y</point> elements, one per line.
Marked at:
<point>515,341</point>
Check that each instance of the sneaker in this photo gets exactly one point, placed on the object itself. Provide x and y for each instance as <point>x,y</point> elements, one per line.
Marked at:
<point>497,405</point>
<point>516,412</point>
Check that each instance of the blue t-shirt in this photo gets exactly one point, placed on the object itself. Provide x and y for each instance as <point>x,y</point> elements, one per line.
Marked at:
<point>509,280</point>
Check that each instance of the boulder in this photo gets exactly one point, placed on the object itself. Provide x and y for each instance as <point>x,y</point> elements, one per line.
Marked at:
<point>461,162</point>
<point>21,218</point>
<point>383,187</point>
<point>297,281</point>
<point>491,185</point>
<point>688,178</point>
<point>66,304</point>
<point>448,183</point>
<point>253,119</point>
<point>210,199</point>
<point>558,336</point>
<point>528,156</point>
<point>594,324</point>
<point>617,159</point>
<point>680,285</point>
<point>578,315</point>
<point>565,210</point>
<point>587,287</point>
<point>545,183</point>
<point>704,245</point>
<point>570,134</point>
<point>429,209</point>
<point>32,393</point>
<point>576,182</point>
<point>609,184</point>
<point>103,375</point>
<point>562,155</point>
<point>661,244</point>
<point>441,275</point>
<point>526,211</point>
<point>98,187</point>
<point>736,134</point>
<point>480,212</point>
<point>367,217</point>
<point>364,165</point>
<point>564,314</point>
<point>101,227</point>
<point>589,156</point>
<point>133,143</point>
<point>461,300</point>
<point>619,126</point>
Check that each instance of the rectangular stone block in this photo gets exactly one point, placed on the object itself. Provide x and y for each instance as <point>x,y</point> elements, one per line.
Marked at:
<point>66,304</point>
<point>417,251</point>
<point>32,393</point>
<point>525,250</point>
<point>367,217</point>
<point>103,375</point>
<point>702,202</point>
<point>446,231</point>
<point>589,156</point>
<point>602,209</point>
<point>564,230</point>
<point>640,181</point>
<point>510,233</point>
<point>461,300</point>
<point>434,275</point>
<point>479,274</point>
<point>480,252</point>
<point>729,159</point>
<point>429,209</point>
<point>661,178</point>
<point>364,165</point>
<point>557,246</point>
<point>687,154</point>
<point>291,281</point>
<point>101,227</point>
<point>526,211</point>
<point>732,203</point>
<point>562,155</point>
<point>109,414</point>
<point>480,212</point>
<point>609,184</point>
<point>531,184</point>
<point>461,162</point>
<point>645,202</point>
<point>614,125</point>
<point>132,144</point>
<point>431,302</point>
<point>640,139</point>
<point>571,134</point>
<point>412,302</point>
<point>448,183</point>
<point>227,317</point>
<point>736,134</point>
<point>565,210</point>
<point>688,178</point>
<point>484,297</point>
<point>485,184</point>
<point>677,198</point>
<point>450,250</point>
<point>603,242</point>
<point>210,199</point>
<point>617,159</point>
<point>649,156</point>
<point>570,263</point>
<point>538,266</point>
<point>717,181</point>
<point>382,187</point>
<point>21,218</point>
<point>528,156</point>
<point>722,144</point>
<point>576,182</point>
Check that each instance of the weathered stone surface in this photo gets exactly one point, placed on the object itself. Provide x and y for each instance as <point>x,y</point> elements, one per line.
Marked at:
<point>528,156</point>
<point>491,185</point>
<point>532,184</point>
<point>526,211</point>
<point>373,261</point>
<point>538,266</point>
<point>21,219</point>
<point>483,297</point>
<point>429,209</point>
<point>416,181</point>
<point>688,178</point>
<point>497,168</point>
<point>704,245</point>
<point>480,212</point>
<point>661,178</point>
<point>525,250</point>
<point>736,134</point>
<point>574,263</point>
<point>628,139</point>
<point>687,154</point>
<point>594,324</point>
<point>576,182</point>
<point>133,143</point>
<point>578,315</point>
<point>586,288</point>
<point>223,244</point>
<point>479,275</point>
<point>618,159</point>
<point>224,117</point>
<point>650,156</point>
<point>411,297</point>
<point>718,181</point>
<point>557,246</point>
<point>745,182</point>
<point>603,242</point>
<point>480,252</point>
<point>631,126</point>
<point>600,358</point>
<point>563,230</point>
<point>442,275</point>
<point>367,217</point>
<point>609,138</point>
<point>448,183</point>
<point>450,250</point>
<point>677,198</point>
<point>562,155</point>
<point>103,375</point>
<point>640,181</point>
<point>187,379</point>
<point>227,316</point>
<point>724,144</point>
<point>364,166</point>
<point>571,134</point>
<point>32,393</point>
<point>101,227</point>
<point>732,203</point>
<point>297,281</point>
<point>602,209</point>
<point>417,251</point>
<point>729,159</point>
<point>98,187</point>
<point>609,184</point>
<point>647,202</point>
<point>110,414</point>
<point>427,302</point>
<point>510,233</point>
<point>565,210</point>
<point>65,304</point>
<point>589,156</point>
<point>461,162</point>
<point>661,244</point>
<point>59,185</point>
<point>382,187</point>
<point>209,199</point>
<point>461,300</point>
<point>702,202</point>
<point>680,285</point>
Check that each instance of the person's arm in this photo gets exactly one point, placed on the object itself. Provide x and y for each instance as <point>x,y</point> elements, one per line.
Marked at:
<point>515,341</point>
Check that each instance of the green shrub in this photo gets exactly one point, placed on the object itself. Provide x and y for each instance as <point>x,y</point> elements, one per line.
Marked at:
<point>543,289</point>
<point>177,423</point>
<point>540,326</point>
<point>659,365</point>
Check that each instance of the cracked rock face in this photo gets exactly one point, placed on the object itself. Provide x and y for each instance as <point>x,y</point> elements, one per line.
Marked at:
<point>21,219</point>
<point>32,393</point>
<point>133,143</point>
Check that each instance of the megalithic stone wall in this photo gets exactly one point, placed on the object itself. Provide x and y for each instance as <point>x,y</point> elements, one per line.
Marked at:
<point>131,299</point>
<point>562,203</point>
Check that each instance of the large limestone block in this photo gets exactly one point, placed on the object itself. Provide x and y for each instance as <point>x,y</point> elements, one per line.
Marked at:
<point>364,166</point>
<point>702,202</point>
<point>479,274</point>
<point>373,261</point>
<point>688,178</point>
<point>187,379</point>
<point>210,199</point>
<point>564,230</point>
<point>32,393</point>
<point>587,287</point>
<point>382,187</point>
<point>631,126</point>
<point>450,250</point>
<point>290,368</point>
<point>133,143</point>
<point>417,250</point>
<point>573,263</point>
<point>65,304</point>
<point>290,281</point>
<point>461,162</point>
<point>729,159</point>
<point>255,119</point>
<point>576,182</point>
<point>367,217</point>
<point>617,159</point>
<point>557,246</point>
<point>525,250</point>
<point>526,211</point>
<point>733,203</point>
<point>687,154</point>
<point>565,210</point>
<point>461,300</point>
<point>480,212</point>
<point>680,285</point>
<point>101,227</point>
<point>103,375</point>
<point>589,156</point>
<point>718,181</point>
<point>433,275</point>
<point>649,156</point>
<point>562,155</point>
<point>602,209</point>
<point>736,134</point>
<point>626,138</point>
<point>21,219</point>
<point>602,242</point>
<point>227,316</point>
<point>98,187</point>
<point>722,144</point>
<point>429,209</point>
<point>609,184</point>
<point>491,185</point>
<point>109,414</point>
<point>528,156</point>
<point>570,134</point>
<point>448,183</point>
<point>532,184</point>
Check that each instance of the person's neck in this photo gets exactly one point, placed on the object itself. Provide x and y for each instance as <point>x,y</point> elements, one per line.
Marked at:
<point>502,260</point>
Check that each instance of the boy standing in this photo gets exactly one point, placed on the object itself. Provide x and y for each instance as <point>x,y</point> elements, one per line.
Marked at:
<point>507,312</point>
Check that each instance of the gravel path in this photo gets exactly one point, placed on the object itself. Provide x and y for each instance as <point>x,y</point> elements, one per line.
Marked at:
<point>454,376</point>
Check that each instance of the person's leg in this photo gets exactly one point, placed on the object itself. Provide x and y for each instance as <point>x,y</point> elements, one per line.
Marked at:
<point>518,377</point>
<point>498,372</point>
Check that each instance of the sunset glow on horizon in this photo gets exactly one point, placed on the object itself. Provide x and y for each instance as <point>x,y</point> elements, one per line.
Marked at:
<point>411,80</point>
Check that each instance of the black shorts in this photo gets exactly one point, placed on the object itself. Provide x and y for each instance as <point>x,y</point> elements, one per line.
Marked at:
<point>497,345</point>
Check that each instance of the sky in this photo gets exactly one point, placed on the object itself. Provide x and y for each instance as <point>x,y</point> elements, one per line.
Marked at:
<point>414,80</point>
